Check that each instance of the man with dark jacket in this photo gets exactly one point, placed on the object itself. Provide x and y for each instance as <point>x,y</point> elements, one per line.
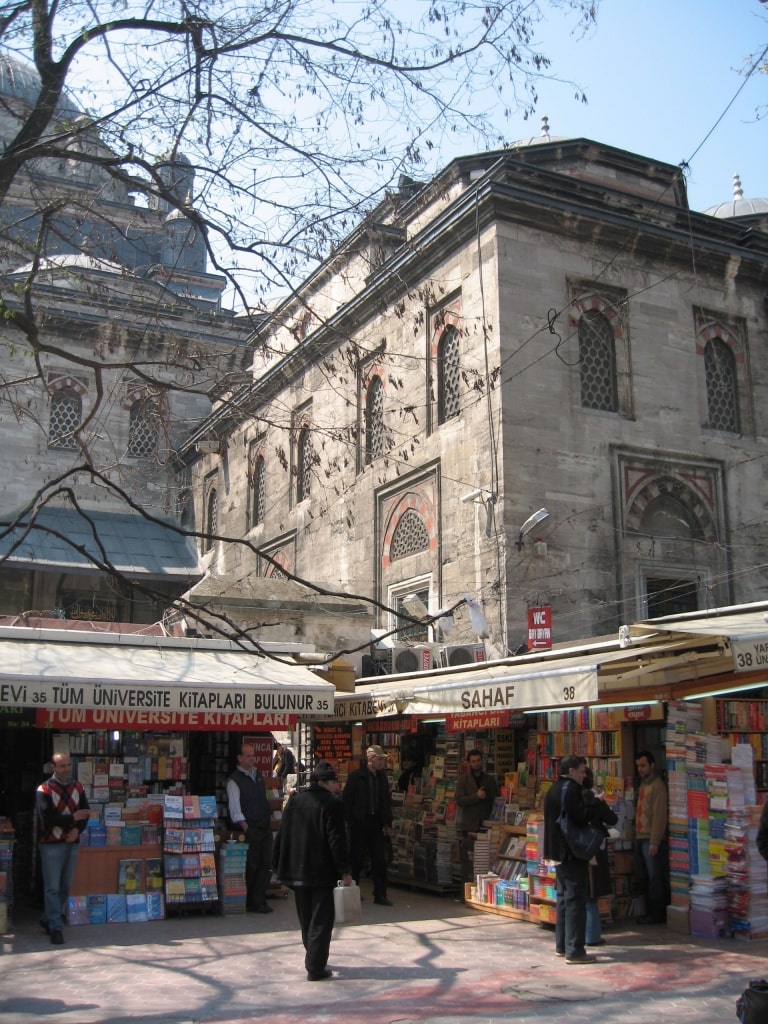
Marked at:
<point>572,874</point>
<point>368,808</point>
<point>476,791</point>
<point>310,856</point>
<point>62,812</point>
<point>250,813</point>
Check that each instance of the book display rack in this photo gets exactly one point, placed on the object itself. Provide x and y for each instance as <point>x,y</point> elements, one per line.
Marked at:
<point>189,852</point>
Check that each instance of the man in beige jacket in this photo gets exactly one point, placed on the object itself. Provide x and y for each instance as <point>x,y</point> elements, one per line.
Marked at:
<point>651,856</point>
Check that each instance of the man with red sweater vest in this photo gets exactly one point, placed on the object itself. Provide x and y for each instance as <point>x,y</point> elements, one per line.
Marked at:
<point>62,812</point>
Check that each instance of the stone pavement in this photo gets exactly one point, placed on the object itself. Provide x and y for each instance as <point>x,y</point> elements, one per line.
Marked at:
<point>427,960</point>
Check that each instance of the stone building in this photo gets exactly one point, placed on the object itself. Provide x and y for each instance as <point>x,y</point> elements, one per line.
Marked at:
<point>113,342</point>
<point>548,326</point>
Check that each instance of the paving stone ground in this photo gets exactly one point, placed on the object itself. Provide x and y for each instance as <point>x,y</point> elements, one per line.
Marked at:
<point>427,960</point>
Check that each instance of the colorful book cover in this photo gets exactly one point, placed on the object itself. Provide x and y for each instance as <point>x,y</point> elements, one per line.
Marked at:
<point>131,835</point>
<point>136,907</point>
<point>77,910</point>
<point>207,865</point>
<point>150,835</point>
<point>153,867</point>
<point>190,865</point>
<point>172,863</point>
<point>97,909</point>
<point>117,911</point>
<point>173,806</point>
<point>173,841</point>
<point>129,877</point>
<point>155,906</point>
<point>174,890</point>
<point>114,835</point>
<point>193,890</point>
<point>191,806</point>
<point>192,839</point>
<point>208,808</point>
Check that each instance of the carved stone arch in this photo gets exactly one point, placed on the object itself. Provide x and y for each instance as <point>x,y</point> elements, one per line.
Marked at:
<point>59,381</point>
<point>673,487</point>
<point>611,307</point>
<point>411,502</point>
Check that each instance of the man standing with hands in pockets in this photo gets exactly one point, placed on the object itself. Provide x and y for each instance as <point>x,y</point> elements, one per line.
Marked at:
<point>62,810</point>
<point>476,791</point>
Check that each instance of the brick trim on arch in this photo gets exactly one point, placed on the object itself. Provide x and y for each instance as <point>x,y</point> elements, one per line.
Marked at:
<point>643,482</point>
<point>585,299</point>
<point>59,381</point>
<point>415,498</point>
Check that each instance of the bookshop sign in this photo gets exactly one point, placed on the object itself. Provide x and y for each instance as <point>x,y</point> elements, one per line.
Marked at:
<point>491,689</point>
<point>155,679</point>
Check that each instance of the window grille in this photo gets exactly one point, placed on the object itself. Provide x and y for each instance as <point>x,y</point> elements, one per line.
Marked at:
<point>374,420</point>
<point>142,430</point>
<point>66,414</point>
<point>259,494</point>
<point>448,375</point>
<point>597,363</point>
<point>212,517</point>
<point>722,389</point>
<point>409,537</point>
<point>304,460</point>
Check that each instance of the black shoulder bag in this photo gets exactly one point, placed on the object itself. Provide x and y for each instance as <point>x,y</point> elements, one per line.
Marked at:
<point>583,840</point>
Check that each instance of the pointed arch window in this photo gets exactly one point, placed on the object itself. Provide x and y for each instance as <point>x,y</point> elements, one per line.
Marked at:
<point>66,416</point>
<point>722,387</point>
<point>304,461</point>
<point>410,535</point>
<point>144,419</point>
<point>374,420</point>
<point>597,362</point>
<point>448,375</point>
<point>258,490</point>
<point>211,518</point>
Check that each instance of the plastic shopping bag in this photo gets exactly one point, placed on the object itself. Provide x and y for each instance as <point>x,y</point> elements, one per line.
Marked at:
<point>346,904</point>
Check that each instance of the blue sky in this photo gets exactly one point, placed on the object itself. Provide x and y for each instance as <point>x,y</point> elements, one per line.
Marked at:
<point>658,75</point>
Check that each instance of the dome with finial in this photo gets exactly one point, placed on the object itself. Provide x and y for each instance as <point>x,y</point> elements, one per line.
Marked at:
<point>739,206</point>
<point>19,90</point>
<point>538,140</point>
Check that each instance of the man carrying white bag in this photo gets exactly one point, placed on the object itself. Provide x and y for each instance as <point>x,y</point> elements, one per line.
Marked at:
<point>310,854</point>
<point>347,903</point>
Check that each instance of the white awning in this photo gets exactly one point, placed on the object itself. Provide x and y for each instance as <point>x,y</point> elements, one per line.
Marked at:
<point>490,687</point>
<point>50,669</point>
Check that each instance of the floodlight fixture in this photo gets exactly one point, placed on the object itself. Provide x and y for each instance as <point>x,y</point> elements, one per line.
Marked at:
<point>529,524</point>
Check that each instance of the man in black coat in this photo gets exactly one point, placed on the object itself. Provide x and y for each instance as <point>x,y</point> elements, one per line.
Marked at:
<point>572,874</point>
<point>368,807</point>
<point>310,856</point>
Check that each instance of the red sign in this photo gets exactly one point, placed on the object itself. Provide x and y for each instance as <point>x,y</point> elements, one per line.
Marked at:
<point>488,720</point>
<point>163,721</point>
<point>540,628</point>
<point>263,748</point>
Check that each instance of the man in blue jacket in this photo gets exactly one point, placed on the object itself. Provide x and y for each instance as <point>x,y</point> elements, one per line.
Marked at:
<point>310,856</point>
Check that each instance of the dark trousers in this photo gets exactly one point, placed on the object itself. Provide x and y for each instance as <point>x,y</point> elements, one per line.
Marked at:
<point>572,894</point>
<point>258,865</point>
<point>314,908</point>
<point>369,839</point>
<point>652,877</point>
<point>467,858</point>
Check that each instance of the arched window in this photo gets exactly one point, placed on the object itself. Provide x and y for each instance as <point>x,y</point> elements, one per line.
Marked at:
<point>374,420</point>
<point>597,362</point>
<point>211,517</point>
<point>668,516</point>
<point>66,415</point>
<point>143,429</point>
<point>448,375</point>
<point>304,460</point>
<point>722,387</point>
<point>258,491</point>
<point>410,536</point>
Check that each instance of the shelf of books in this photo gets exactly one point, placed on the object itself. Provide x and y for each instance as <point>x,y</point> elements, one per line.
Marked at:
<point>189,852</point>
<point>590,732</point>
<point>504,888</point>
<point>741,722</point>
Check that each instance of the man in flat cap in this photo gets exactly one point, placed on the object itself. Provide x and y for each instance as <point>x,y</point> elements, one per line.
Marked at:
<point>368,807</point>
<point>310,856</point>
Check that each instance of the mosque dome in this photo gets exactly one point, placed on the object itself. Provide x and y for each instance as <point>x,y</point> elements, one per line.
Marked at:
<point>538,140</point>
<point>739,206</point>
<point>19,89</point>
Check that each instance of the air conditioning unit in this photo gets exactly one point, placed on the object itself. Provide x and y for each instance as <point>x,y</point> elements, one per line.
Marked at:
<point>411,658</point>
<point>462,654</point>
